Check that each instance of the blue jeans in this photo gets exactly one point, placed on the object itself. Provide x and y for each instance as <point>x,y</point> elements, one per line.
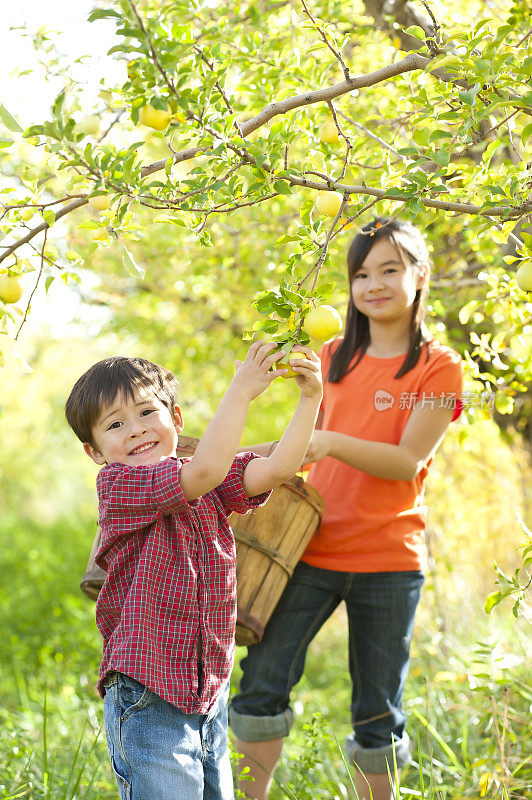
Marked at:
<point>160,753</point>
<point>380,608</point>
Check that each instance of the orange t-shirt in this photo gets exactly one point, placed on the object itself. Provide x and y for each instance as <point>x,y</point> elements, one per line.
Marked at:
<point>371,524</point>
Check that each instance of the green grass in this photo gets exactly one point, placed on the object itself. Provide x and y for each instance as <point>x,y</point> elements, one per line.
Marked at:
<point>468,696</point>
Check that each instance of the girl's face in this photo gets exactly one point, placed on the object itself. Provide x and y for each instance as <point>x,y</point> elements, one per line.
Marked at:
<point>384,288</point>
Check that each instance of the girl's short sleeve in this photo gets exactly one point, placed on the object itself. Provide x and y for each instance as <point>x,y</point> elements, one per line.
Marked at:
<point>442,381</point>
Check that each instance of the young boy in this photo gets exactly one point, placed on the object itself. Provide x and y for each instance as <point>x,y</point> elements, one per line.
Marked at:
<point>167,609</point>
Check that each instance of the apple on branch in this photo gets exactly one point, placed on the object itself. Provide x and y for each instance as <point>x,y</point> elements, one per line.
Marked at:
<point>100,202</point>
<point>524,277</point>
<point>329,132</point>
<point>10,289</point>
<point>156,118</point>
<point>322,323</point>
<point>328,203</point>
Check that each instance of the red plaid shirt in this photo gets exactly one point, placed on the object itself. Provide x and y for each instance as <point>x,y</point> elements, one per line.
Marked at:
<point>171,580</point>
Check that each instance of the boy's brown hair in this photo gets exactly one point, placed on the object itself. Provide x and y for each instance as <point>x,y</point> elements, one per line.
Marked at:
<point>114,377</point>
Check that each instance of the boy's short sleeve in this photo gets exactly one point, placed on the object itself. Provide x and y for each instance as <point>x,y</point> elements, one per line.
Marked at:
<point>231,490</point>
<point>132,497</point>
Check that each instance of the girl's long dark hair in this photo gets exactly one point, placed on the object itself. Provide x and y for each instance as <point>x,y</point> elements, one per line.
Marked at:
<point>412,249</point>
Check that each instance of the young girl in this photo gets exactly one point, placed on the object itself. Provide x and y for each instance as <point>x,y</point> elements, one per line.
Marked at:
<point>390,393</point>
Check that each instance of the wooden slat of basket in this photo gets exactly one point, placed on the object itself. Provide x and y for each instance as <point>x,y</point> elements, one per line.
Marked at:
<point>285,526</point>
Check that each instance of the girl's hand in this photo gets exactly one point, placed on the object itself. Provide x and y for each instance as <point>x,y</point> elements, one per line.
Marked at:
<point>253,375</point>
<point>308,370</point>
<point>318,447</point>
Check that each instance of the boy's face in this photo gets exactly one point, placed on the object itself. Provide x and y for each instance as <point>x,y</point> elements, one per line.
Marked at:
<point>133,431</point>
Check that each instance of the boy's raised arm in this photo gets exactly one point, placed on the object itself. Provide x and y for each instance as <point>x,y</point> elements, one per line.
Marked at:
<point>263,474</point>
<point>217,447</point>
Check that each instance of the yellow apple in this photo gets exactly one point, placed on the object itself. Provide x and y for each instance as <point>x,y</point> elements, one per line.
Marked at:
<point>524,277</point>
<point>155,118</point>
<point>286,364</point>
<point>322,323</point>
<point>100,202</point>
<point>329,132</point>
<point>328,203</point>
<point>89,125</point>
<point>10,289</point>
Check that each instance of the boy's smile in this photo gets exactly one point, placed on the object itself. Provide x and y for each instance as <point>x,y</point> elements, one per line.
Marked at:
<point>134,431</point>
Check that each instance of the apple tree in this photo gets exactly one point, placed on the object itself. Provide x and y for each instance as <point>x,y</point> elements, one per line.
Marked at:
<point>214,189</point>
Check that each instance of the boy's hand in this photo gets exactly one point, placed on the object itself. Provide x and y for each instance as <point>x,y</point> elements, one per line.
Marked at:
<point>309,377</point>
<point>253,375</point>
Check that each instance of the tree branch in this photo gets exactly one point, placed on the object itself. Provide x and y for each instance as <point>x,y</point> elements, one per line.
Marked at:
<point>411,62</point>
<point>43,227</point>
<point>445,205</point>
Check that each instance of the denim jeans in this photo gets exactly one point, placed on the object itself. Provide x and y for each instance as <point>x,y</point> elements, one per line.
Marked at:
<point>380,608</point>
<point>160,753</point>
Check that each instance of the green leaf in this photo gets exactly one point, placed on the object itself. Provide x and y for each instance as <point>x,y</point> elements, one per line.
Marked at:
<point>131,265</point>
<point>49,217</point>
<point>264,305</point>
<point>468,98</point>
<point>183,33</point>
<point>440,135</point>
<point>267,325</point>
<point>325,290</point>
<point>282,187</point>
<point>88,225</point>
<point>416,31</point>
<point>444,61</point>
<point>441,157</point>
<point>58,104</point>
<point>527,131</point>
<point>8,120</point>
<point>100,13</point>
<point>282,310</point>
<point>492,600</point>
<point>292,297</point>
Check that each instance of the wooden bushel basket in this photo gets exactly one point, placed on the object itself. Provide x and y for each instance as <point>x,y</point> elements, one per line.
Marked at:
<point>269,544</point>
